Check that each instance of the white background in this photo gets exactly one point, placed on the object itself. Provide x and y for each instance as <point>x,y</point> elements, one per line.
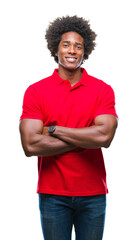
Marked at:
<point>24,59</point>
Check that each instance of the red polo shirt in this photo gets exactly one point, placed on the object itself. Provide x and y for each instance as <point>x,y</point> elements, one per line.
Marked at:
<point>55,102</point>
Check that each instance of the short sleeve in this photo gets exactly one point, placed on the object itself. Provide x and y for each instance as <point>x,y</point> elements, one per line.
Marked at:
<point>31,105</point>
<point>106,103</point>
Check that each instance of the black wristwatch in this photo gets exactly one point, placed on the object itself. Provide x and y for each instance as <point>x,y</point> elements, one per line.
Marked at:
<point>51,130</point>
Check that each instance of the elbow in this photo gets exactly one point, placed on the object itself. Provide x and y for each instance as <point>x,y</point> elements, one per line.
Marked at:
<point>28,154</point>
<point>107,142</point>
<point>27,151</point>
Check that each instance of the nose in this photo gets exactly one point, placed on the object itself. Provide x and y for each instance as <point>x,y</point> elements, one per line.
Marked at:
<point>71,49</point>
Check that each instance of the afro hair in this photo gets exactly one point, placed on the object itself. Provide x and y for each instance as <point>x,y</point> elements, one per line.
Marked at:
<point>70,24</point>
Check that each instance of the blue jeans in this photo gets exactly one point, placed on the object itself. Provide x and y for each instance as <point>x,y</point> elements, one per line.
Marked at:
<point>60,213</point>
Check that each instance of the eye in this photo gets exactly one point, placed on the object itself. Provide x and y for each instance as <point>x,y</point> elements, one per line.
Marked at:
<point>65,45</point>
<point>78,47</point>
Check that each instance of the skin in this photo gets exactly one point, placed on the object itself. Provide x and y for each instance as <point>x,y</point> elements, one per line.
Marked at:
<point>70,54</point>
<point>35,138</point>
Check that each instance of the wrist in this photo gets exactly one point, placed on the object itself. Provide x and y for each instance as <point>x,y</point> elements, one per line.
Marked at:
<point>51,130</point>
<point>61,131</point>
<point>57,131</point>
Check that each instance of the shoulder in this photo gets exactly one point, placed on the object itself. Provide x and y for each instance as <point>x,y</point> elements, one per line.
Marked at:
<point>41,83</point>
<point>39,87</point>
<point>96,81</point>
<point>97,84</point>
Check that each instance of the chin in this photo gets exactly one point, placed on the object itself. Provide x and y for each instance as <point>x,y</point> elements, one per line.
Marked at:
<point>71,68</point>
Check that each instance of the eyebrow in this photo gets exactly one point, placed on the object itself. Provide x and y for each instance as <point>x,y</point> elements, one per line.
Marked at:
<point>75,42</point>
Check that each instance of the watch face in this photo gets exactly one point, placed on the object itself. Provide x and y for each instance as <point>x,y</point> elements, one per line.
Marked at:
<point>51,129</point>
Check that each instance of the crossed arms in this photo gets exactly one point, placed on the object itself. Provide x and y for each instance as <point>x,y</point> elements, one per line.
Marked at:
<point>37,142</point>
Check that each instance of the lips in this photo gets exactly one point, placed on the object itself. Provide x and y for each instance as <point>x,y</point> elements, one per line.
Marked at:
<point>71,59</point>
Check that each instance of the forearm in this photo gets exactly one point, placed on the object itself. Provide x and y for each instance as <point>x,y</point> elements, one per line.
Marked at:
<point>37,142</point>
<point>88,137</point>
<point>42,145</point>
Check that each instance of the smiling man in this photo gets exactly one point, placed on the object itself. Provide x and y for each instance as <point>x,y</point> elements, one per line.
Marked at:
<point>71,51</point>
<point>67,118</point>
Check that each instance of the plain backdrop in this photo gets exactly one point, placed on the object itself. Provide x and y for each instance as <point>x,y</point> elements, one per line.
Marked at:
<point>24,59</point>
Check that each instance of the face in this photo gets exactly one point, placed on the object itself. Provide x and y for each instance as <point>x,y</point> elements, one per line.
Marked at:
<point>70,51</point>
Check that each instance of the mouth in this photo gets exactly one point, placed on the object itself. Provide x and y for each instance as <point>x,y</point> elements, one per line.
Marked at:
<point>71,59</point>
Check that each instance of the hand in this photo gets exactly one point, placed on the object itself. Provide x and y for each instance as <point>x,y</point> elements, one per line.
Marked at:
<point>45,131</point>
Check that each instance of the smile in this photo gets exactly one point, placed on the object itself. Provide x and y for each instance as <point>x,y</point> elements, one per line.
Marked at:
<point>71,59</point>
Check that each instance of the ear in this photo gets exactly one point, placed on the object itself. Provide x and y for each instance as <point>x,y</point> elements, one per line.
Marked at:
<point>56,54</point>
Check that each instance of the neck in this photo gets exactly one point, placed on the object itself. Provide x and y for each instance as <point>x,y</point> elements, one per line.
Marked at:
<point>72,75</point>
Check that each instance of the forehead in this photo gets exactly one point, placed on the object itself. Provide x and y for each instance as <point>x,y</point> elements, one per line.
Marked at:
<point>72,37</point>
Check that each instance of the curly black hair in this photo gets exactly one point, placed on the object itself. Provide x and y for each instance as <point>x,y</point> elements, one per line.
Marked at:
<point>70,24</point>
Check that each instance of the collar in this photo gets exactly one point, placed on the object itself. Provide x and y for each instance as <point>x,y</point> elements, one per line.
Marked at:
<point>59,80</point>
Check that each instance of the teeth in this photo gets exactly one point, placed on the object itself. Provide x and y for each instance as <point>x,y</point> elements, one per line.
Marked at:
<point>71,59</point>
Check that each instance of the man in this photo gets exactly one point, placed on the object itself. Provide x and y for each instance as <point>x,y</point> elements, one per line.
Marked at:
<point>67,118</point>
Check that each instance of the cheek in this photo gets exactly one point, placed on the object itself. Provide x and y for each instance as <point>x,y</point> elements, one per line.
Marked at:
<point>81,56</point>
<point>61,54</point>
